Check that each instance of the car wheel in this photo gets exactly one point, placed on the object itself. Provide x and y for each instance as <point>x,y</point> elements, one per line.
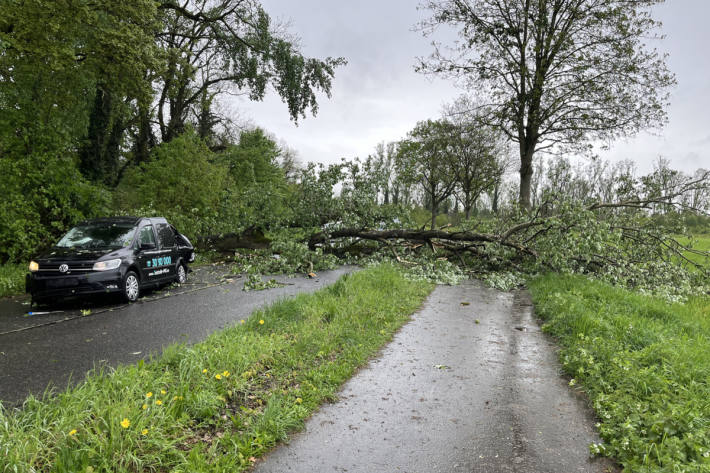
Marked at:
<point>181,276</point>
<point>131,287</point>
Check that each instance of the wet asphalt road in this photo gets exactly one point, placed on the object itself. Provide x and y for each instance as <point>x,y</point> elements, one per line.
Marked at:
<point>452,395</point>
<point>58,348</point>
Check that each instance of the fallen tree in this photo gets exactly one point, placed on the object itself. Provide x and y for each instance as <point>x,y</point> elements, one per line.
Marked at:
<point>252,239</point>
<point>618,241</point>
<point>431,237</point>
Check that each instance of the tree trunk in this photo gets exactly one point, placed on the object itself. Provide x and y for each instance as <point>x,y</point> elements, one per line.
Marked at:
<point>145,139</point>
<point>99,155</point>
<point>112,153</point>
<point>496,196</point>
<point>526,172</point>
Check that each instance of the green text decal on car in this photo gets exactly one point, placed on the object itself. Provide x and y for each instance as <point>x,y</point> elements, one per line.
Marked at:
<point>159,262</point>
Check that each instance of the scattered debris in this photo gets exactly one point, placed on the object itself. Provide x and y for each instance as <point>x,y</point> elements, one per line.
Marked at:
<point>44,313</point>
<point>255,283</point>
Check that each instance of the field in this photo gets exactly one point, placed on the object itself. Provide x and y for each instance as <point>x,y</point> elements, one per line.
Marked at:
<point>699,242</point>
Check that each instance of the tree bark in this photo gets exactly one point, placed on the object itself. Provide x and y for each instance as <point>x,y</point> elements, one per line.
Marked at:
<point>433,215</point>
<point>527,151</point>
<point>428,236</point>
<point>251,238</point>
<point>145,140</point>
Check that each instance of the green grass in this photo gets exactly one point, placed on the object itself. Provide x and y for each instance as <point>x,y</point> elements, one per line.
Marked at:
<point>12,279</point>
<point>645,365</point>
<point>222,401</point>
<point>700,243</point>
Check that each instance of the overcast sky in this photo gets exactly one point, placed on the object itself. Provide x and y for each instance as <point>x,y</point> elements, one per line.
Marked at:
<point>378,96</point>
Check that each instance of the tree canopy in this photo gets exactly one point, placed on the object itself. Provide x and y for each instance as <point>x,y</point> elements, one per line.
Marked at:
<point>426,157</point>
<point>555,72</point>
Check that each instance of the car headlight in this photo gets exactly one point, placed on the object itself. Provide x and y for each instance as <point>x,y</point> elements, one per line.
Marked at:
<point>107,265</point>
<point>34,266</point>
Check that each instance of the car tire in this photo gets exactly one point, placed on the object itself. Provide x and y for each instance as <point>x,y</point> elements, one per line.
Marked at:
<point>131,287</point>
<point>181,274</point>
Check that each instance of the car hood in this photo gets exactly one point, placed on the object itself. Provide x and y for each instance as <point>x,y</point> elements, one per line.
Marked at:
<point>75,254</point>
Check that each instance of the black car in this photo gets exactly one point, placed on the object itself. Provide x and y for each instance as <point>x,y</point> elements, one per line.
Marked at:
<point>111,255</point>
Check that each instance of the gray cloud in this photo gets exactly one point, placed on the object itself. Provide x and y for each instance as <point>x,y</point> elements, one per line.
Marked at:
<point>378,96</point>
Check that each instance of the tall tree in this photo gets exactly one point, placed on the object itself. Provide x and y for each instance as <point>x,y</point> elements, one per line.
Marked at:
<point>426,158</point>
<point>557,72</point>
<point>385,161</point>
<point>478,154</point>
<point>54,56</point>
<point>218,46</point>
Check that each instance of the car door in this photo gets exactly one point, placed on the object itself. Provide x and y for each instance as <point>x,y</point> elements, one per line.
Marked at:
<point>168,250</point>
<point>149,256</point>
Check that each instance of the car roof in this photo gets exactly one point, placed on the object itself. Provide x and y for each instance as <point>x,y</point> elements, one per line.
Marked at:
<point>125,220</point>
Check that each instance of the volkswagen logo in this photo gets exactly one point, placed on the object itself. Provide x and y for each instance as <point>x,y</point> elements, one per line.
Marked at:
<point>63,268</point>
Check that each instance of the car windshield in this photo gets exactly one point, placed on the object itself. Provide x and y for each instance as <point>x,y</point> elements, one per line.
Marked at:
<point>98,235</point>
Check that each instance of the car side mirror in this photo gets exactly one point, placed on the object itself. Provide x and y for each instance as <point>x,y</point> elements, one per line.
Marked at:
<point>147,246</point>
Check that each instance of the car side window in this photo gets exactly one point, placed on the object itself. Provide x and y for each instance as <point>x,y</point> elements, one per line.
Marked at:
<point>146,235</point>
<point>166,235</point>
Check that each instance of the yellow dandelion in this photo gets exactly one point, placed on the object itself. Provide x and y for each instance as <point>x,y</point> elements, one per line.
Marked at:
<point>218,376</point>
<point>175,398</point>
<point>225,373</point>
<point>158,402</point>
<point>149,394</point>
<point>162,391</point>
<point>144,431</point>
<point>261,322</point>
<point>241,321</point>
<point>125,423</point>
<point>204,370</point>
<point>180,398</point>
<point>144,406</point>
<point>299,400</point>
<point>72,432</point>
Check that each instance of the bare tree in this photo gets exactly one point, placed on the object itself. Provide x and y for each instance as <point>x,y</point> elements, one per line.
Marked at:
<point>698,198</point>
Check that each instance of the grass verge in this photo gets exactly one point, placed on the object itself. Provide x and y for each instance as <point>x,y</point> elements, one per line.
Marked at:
<point>216,405</point>
<point>12,279</point>
<point>645,365</point>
